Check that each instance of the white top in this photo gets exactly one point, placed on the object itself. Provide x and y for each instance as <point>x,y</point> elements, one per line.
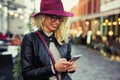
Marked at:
<point>56,54</point>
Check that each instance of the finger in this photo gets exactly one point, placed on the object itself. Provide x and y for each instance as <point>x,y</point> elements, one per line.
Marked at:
<point>67,63</point>
<point>73,63</point>
<point>72,69</point>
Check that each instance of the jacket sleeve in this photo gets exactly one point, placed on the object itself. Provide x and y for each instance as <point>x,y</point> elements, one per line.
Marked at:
<point>68,51</point>
<point>27,62</point>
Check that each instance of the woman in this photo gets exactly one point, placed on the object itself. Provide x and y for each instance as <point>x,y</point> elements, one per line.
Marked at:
<point>35,59</point>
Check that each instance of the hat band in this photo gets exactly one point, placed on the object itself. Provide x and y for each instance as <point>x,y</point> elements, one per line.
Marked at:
<point>56,9</point>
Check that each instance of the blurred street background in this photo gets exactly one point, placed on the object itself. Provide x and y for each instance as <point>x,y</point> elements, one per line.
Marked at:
<point>94,33</point>
<point>93,66</point>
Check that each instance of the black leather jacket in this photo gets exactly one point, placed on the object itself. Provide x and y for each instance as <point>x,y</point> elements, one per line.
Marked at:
<point>35,60</point>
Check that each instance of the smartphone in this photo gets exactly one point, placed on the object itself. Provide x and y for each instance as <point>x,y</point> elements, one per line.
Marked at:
<point>75,58</point>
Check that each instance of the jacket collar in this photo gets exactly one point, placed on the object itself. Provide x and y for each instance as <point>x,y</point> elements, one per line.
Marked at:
<point>48,40</point>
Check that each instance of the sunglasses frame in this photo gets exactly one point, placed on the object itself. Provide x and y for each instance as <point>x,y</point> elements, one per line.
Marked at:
<point>53,18</point>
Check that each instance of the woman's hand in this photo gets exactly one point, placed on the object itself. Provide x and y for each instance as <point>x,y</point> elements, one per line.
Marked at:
<point>72,67</point>
<point>62,65</point>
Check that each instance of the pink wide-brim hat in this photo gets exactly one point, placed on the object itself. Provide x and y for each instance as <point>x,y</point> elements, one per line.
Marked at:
<point>53,7</point>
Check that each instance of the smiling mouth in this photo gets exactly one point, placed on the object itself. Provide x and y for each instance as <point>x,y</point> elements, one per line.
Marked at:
<point>55,26</point>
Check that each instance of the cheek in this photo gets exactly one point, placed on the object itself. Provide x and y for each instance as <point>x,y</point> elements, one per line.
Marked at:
<point>46,23</point>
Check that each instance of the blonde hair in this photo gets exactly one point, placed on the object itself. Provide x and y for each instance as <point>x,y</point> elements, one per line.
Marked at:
<point>62,32</point>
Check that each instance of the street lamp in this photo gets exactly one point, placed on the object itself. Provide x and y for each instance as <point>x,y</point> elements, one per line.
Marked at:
<point>110,33</point>
<point>0,6</point>
<point>87,23</point>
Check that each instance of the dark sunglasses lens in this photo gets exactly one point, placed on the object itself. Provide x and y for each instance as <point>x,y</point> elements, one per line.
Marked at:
<point>54,18</point>
<point>61,19</point>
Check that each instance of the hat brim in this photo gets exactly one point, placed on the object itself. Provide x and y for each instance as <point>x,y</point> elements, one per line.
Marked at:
<point>59,13</point>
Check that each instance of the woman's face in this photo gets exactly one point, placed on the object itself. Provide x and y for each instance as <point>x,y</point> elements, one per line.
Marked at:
<point>52,22</point>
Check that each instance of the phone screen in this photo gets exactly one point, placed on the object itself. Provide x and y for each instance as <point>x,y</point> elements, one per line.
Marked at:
<point>75,58</point>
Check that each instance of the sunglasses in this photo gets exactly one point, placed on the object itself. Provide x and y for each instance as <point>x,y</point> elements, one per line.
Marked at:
<point>53,18</point>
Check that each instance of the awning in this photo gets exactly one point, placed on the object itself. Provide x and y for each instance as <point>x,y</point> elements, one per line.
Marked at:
<point>97,15</point>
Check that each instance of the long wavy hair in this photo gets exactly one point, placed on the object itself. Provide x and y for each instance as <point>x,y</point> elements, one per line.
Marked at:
<point>62,32</point>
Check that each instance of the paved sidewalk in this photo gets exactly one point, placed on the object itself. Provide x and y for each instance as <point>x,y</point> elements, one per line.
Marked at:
<point>93,66</point>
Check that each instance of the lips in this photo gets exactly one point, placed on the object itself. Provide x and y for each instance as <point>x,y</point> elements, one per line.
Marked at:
<point>55,26</point>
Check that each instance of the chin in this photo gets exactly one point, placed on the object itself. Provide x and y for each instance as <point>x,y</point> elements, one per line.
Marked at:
<point>54,29</point>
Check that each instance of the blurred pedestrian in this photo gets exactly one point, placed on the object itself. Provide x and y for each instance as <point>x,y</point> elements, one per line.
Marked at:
<point>45,53</point>
<point>16,40</point>
<point>9,34</point>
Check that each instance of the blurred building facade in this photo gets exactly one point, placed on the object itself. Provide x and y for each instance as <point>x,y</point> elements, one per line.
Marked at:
<point>82,23</point>
<point>110,10</point>
<point>14,15</point>
<point>100,17</point>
